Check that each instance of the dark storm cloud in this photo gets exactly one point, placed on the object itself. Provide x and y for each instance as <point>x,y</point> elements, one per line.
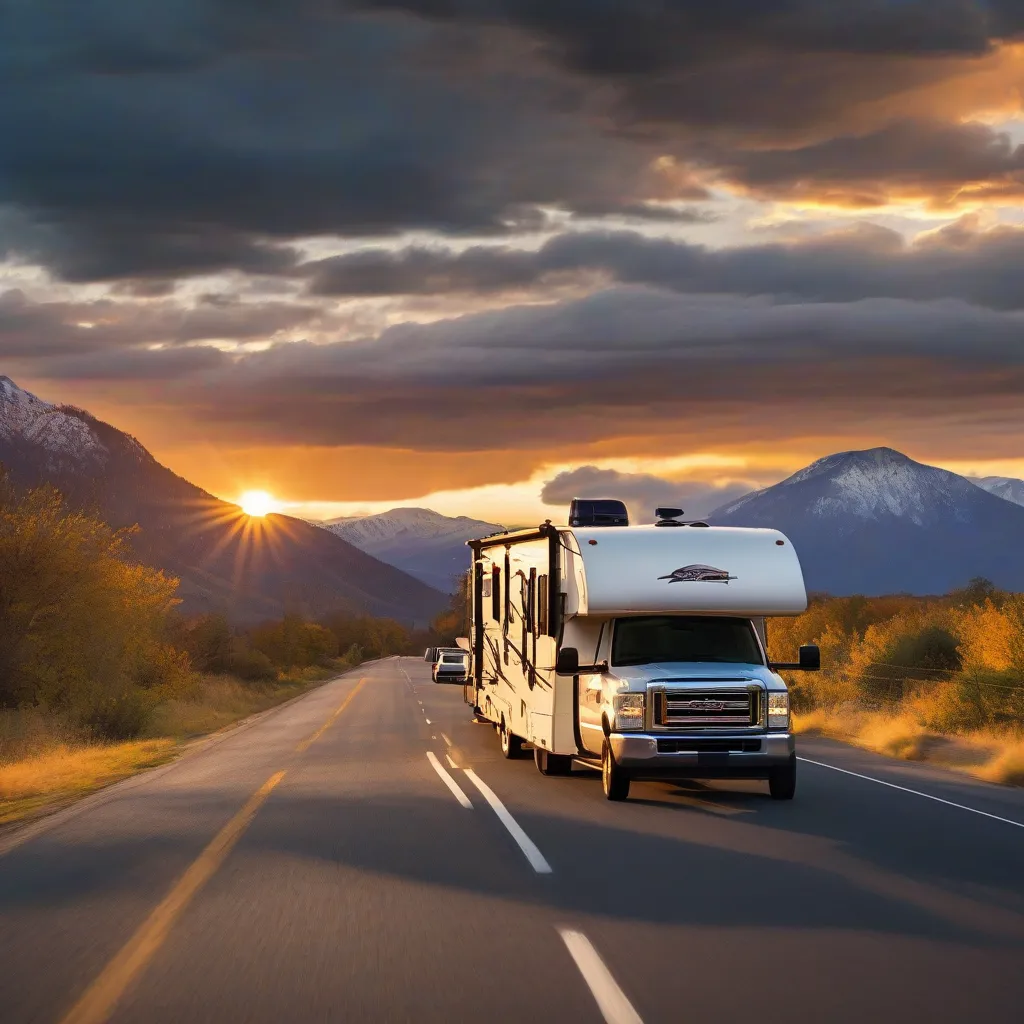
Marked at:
<point>638,37</point>
<point>922,158</point>
<point>746,68</point>
<point>624,362</point>
<point>646,211</point>
<point>159,140</point>
<point>642,492</point>
<point>273,121</point>
<point>33,329</point>
<point>86,247</point>
<point>138,365</point>
<point>981,267</point>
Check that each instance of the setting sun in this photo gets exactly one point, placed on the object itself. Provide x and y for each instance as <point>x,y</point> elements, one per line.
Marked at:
<point>257,503</point>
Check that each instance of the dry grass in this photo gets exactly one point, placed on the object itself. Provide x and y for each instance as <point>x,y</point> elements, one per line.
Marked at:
<point>990,755</point>
<point>63,773</point>
<point>1007,766</point>
<point>45,764</point>
<point>221,702</point>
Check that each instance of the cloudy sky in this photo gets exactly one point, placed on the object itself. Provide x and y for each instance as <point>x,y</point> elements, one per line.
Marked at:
<point>479,254</point>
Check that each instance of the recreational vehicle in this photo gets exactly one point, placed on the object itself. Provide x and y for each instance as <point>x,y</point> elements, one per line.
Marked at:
<point>637,650</point>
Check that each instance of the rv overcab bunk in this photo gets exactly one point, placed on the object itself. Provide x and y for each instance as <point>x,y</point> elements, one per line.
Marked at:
<point>636,650</point>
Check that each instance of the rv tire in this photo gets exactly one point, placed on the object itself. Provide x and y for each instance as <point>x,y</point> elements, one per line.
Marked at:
<point>552,764</point>
<point>511,745</point>
<point>614,779</point>
<point>782,780</point>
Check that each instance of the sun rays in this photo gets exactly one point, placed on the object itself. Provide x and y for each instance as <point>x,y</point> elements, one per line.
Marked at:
<point>252,540</point>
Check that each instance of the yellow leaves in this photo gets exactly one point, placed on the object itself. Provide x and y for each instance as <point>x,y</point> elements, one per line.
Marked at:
<point>985,637</point>
<point>992,637</point>
<point>81,623</point>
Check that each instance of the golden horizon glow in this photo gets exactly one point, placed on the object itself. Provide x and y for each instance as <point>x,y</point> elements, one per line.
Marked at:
<point>257,504</point>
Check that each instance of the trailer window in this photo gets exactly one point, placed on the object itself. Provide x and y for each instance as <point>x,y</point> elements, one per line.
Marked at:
<point>496,594</point>
<point>650,639</point>
<point>542,606</point>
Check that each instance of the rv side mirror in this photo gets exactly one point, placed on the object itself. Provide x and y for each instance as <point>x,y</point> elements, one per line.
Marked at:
<point>810,661</point>
<point>810,657</point>
<point>568,662</point>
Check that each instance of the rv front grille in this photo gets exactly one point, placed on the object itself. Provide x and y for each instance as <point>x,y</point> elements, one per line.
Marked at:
<point>709,746</point>
<point>704,708</point>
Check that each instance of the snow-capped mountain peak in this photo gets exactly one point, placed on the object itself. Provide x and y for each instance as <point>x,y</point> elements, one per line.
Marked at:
<point>878,483</point>
<point>424,543</point>
<point>876,521</point>
<point>1007,487</point>
<point>28,419</point>
<point>408,523</point>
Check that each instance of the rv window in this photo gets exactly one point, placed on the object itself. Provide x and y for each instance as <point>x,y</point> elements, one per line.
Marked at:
<point>652,639</point>
<point>496,594</point>
<point>542,606</point>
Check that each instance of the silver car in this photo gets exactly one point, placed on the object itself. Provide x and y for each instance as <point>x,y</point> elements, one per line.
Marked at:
<point>451,667</point>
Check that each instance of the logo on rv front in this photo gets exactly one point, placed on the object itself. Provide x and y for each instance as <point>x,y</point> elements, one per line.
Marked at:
<point>698,574</point>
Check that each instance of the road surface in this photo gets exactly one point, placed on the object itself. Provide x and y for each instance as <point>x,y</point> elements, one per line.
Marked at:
<point>317,865</point>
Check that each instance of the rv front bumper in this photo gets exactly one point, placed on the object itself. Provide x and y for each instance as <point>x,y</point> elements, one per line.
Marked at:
<point>646,755</point>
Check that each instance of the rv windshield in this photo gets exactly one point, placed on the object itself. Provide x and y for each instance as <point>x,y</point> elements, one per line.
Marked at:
<point>662,638</point>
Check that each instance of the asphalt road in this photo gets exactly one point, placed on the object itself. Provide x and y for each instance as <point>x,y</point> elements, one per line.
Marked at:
<point>356,886</point>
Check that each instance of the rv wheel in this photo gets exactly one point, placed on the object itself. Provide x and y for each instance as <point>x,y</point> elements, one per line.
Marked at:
<point>614,779</point>
<point>782,781</point>
<point>511,746</point>
<point>552,764</point>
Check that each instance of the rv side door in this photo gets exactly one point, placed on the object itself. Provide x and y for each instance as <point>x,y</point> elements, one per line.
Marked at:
<point>589,689</point>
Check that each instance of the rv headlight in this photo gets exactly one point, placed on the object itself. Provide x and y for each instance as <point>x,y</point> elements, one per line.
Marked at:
<point>778,710</point>
<point>629,710</point>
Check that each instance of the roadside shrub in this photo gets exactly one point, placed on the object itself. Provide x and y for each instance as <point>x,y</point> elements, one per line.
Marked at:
<point>294,643</point>
<point>250,666</point>
<point>121,717</point>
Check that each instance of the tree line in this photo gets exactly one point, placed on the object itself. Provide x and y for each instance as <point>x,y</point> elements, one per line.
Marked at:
<point>89,634</point>
<point>956,662</point>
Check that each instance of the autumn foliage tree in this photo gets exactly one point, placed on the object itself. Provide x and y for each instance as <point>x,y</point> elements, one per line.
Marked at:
<point>82,624</point>
<point>955,662</point>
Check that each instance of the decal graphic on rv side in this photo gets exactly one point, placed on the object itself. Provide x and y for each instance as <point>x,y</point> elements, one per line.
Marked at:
<point>698,574</point>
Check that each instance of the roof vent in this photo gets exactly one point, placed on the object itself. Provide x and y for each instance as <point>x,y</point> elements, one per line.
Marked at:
<point>668,516</point>
<point>597,512</point>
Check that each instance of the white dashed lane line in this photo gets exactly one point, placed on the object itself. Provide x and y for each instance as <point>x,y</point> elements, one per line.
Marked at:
<point>455,788</point>
<point>610,999</point>
<point>526,844</point>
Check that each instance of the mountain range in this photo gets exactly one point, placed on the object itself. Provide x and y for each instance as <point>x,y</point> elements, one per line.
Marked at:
<point>426,544</point>
<point>868,522</point>
<point>248,568</point>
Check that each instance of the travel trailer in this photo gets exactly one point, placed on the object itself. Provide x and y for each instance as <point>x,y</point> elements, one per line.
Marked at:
<point>637,650</point>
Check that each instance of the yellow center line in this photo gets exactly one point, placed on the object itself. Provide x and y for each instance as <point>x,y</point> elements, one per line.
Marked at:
<point>309,741</point>
<point>102,995</point>
<point>99,1000</point>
